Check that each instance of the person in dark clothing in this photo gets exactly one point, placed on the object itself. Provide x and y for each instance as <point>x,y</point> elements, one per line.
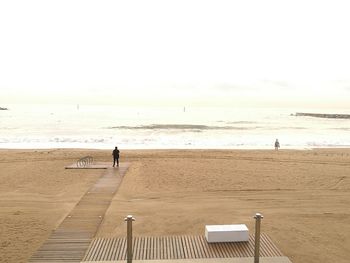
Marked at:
<point>115,156</point>
<point>277,145</point>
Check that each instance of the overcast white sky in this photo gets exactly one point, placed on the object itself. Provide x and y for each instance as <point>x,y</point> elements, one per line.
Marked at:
<point>269,53</point>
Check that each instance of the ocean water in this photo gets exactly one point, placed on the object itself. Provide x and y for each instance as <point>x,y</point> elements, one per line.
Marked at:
<point>103,127</point>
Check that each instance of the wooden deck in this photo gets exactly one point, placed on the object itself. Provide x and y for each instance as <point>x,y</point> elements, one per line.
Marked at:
<point>69,242</point>
<point>206,260</point>
<point>176,247</point>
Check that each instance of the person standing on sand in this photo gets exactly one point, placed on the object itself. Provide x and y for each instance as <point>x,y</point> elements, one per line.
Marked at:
<point>277,145</point>
<point>115,156</point>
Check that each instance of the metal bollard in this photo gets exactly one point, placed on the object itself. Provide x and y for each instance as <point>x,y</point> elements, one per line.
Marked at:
<point>258,218</point>
<point>129,220</point>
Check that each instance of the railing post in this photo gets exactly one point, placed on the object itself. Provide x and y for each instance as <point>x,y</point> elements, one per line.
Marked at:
<point>129,220</point>
<point>258,218</point>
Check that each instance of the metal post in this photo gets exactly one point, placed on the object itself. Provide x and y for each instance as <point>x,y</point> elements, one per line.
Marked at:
<point>129,220</point>
<point>258,218</point>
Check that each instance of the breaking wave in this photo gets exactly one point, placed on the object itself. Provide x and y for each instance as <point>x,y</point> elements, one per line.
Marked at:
<point>181,127</point>
<point>199,127</point>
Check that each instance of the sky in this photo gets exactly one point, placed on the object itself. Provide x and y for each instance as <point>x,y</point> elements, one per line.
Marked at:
<point>202,53</point>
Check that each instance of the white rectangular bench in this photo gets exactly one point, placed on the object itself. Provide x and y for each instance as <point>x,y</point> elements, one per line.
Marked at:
<point>226,233</point>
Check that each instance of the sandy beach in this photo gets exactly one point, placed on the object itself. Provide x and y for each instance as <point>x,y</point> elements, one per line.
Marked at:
<point>303,195</point>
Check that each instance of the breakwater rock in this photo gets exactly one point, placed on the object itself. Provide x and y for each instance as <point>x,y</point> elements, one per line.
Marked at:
<point>324,115</point>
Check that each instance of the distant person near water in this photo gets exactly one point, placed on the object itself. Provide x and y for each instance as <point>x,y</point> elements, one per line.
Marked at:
<point>277,145</point>
<point>115,156</point>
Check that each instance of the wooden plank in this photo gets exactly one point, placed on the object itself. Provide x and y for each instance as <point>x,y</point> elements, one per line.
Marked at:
<point>123,251</point>
<point>152,248</point>
<point>225,250</point>
<point>175,248</point>
<point>263,250</point>
<point>115,249</point>
<point>146,248</point>
<point>241,251</point>
<point>139,252</point>
<point>245,247</point>
<point>219,249</point>
<point>137,248</point>
<point>165,249</point>
<point>213,246</point>
<point>269,247</point>
<point>96,248</point>
<point>119,255</point>
<point>159,248</point>
<point>155,246</point>
<point>184,243</point>
<point>197,248</point>
<point>110,249</point>
<point>200,247</point>
<point>149,248</point>
<point>182,247</point>
<point>208,250</point>
<point>141,249</point>
<point>99,251</point>
<point>251,246</point>
<point>192,249</point>
<point>179,248</point>
<point>177,251</point>
<point>171,247</point>
<point>105,249</point>
<point>275,249</point>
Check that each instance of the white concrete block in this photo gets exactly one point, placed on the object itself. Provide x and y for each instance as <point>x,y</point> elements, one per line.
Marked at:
<point>226,233</point>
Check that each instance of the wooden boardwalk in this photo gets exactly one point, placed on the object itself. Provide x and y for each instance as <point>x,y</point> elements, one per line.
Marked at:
<point>73,240</point>
<point>176,247</point>
<point>69,242</point>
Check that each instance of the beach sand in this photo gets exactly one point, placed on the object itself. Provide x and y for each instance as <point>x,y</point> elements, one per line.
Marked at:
<point>303,195</point>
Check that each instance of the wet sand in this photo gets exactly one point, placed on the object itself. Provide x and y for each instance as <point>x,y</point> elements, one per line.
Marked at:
<point>303,195</point>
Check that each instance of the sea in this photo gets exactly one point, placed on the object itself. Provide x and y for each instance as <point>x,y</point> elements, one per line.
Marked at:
<point>104,127</point>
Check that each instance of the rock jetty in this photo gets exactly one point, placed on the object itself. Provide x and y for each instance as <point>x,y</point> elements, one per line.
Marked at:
<point>324,115</point>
